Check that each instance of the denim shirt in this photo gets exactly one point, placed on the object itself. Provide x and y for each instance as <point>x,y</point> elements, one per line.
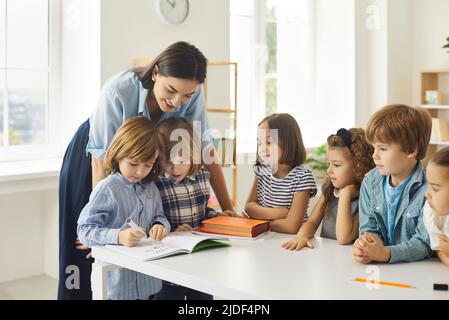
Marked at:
<point>410,241</point>
<point>122,97</point>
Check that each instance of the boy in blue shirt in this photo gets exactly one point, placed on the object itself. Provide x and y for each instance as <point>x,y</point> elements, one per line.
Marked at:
<point>392,194</point>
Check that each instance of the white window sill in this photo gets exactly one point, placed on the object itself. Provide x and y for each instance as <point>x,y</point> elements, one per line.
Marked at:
<point>24,176</point>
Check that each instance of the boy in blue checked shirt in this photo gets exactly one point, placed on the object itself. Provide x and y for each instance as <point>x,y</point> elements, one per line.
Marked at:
<point>392,194</point>
<point>185,192</point>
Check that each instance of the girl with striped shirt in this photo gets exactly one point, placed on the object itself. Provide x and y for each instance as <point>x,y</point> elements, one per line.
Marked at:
<point>282,186</point>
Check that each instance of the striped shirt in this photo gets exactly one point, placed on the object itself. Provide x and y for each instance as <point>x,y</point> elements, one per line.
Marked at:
<point>111,203</point>
<point>186,201</point>
<point>273,192</point>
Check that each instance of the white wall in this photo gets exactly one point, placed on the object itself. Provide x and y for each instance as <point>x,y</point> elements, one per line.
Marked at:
<point>80,71</point>
<point>371,58</point>
<point>391,57</point>
<point>132,28</point>
<point>23,235</point>
<point>334,64</point>
<point>430,30</point>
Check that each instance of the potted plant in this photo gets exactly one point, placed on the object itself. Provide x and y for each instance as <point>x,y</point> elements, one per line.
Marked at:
<point>317,162</point>
<point>447,44</point>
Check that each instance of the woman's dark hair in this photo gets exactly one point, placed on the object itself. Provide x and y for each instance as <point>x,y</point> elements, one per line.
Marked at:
<point>179,60</point>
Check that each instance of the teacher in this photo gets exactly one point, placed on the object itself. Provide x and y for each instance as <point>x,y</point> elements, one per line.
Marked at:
<point>170,86</point>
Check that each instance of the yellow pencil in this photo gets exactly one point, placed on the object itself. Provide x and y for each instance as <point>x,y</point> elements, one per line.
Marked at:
<point>384,283</point>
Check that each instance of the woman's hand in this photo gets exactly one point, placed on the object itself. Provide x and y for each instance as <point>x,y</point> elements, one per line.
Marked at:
<point>229,213</point>
<point>80,246</point>
<point>297,243</point>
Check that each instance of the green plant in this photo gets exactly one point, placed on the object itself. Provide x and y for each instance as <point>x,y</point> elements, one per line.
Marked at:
<point>447,44</point>
<point>317,161</point>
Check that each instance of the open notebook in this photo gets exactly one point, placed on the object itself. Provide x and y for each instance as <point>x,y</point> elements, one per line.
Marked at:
<point>173,244</point>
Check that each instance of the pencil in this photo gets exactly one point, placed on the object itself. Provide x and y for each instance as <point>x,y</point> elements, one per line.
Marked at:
<point>384,283</point>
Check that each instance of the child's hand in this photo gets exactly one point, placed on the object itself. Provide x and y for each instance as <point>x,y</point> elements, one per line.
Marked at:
<point>444,244</point>
<point>184,227</point>
<point>130,237</point>
<point>376,249</point>
<point>359,251</point>
<point>350,190</point>
<point>297,243</point>
<point>80,246</point>
<point>158,232</point>
<point>229,213</point>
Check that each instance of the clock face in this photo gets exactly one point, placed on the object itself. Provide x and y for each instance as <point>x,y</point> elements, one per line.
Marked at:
<point>173,11</point>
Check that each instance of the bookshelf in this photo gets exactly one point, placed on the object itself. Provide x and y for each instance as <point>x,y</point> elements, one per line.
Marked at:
<point>224,108</point>
<point>436,80</point>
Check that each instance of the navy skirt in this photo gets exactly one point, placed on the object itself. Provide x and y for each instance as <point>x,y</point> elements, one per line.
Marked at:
<point>75,187</point>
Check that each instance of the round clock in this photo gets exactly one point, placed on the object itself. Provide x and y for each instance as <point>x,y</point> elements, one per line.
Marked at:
<point>173,11</point>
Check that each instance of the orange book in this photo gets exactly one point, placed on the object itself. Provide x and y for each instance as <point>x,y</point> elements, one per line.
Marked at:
<point>234,226</point>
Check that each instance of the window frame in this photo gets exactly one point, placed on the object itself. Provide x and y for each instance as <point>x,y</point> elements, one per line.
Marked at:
<point>259,74</point>
<point>50,149</point>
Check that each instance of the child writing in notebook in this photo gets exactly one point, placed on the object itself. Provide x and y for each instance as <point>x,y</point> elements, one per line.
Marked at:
<point>129,192</point>
<point>392,194</point>
<point>185,190</point>
<point>436,209</point>
<point>282,186</point>
<point>350,158</point>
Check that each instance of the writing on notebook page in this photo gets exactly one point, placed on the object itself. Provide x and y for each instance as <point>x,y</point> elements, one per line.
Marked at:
<point>155,247</point>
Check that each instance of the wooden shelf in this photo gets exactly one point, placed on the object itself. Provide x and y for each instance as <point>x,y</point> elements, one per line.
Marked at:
<point>435,107</point>
<point>435,71</point>
<point>439,143</point>
<point>225,111</point>
<point>431,79</point>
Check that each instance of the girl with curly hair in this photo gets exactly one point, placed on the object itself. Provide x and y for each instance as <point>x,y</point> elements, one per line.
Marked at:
<point>350,158</point>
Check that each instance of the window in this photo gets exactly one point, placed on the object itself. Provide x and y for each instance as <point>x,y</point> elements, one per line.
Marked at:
<point>294,56</point>
<point>28,70</point>
<point>272,42</point>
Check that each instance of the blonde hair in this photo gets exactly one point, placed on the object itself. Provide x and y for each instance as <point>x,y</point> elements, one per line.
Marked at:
<point>408,126</point>
<point>194,145</point>
<point>290,139</point>
<point>362,157</point>
<point>139,139</point>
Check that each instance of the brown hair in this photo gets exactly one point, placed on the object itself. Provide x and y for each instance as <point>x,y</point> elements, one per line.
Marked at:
<point>194,144</point>
<point>139,139</point>
<point>290,138</point>
<point>362,157</point>
<point>408,126</point>
<point>441,158</point>
<point>179,60</point>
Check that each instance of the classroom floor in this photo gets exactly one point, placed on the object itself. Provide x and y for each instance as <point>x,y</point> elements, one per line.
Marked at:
<point>35,288</point>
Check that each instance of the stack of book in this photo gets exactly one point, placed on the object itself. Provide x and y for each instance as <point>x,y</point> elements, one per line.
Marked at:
<point>234,226</point>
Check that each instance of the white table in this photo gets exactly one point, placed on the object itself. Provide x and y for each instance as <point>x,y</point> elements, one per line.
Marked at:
<point>263,270</point>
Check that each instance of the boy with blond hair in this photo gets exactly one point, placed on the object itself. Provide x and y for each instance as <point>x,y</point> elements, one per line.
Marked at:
<point>392,194</point>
